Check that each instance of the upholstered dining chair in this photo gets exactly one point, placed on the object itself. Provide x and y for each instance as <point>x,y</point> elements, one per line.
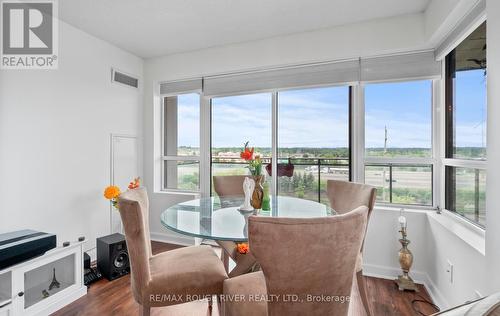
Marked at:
<point>188,272</point>
<point>345,196</point>
<point>307,266</point>
<point>226,187</point>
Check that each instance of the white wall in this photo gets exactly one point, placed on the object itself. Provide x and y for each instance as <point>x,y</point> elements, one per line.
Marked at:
<point>55,128</point>
<point>493,180</point>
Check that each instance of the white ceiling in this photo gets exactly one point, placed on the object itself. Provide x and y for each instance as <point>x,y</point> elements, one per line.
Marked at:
<point>150,28</point>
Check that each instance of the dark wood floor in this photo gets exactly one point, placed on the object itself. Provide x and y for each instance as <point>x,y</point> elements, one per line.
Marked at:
<point>115,298</point>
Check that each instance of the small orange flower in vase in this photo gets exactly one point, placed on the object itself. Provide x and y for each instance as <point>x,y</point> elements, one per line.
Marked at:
<point>243,248</point>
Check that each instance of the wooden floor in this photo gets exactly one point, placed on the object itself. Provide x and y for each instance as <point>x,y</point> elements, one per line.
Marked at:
<point>115,298</point>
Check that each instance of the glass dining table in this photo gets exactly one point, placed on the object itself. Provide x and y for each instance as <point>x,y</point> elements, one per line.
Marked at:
<point>220,219</point>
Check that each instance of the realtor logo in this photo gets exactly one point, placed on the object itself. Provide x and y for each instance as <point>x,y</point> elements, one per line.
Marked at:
<point>29,34</point>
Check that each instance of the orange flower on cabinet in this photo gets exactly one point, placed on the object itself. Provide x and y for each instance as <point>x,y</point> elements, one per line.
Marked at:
<point>134,184</point>
<point>243,248</point>
<point>112,192</point>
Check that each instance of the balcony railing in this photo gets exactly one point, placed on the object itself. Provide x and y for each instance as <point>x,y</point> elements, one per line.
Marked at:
<point>309,176</point>
<point>401,183</point>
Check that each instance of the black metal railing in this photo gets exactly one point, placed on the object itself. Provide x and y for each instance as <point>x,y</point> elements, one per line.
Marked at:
<point>316,166</point>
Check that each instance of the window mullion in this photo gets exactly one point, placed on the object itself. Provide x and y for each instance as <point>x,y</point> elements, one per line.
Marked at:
<point>274,145</point>
<point>358,134</point>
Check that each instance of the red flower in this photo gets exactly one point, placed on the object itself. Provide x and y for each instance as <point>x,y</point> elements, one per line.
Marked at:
<point>247,153</point>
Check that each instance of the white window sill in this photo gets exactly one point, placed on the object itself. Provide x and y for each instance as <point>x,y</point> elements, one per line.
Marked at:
<point>397,208</point>
<point>196,195</point>
<point>473,235</point>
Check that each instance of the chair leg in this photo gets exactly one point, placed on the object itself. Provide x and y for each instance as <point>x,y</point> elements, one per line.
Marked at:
<point>362,292</point>
<point>145,310</point>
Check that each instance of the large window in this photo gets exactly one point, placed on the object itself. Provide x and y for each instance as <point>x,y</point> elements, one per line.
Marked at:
<point>313,136</point>
<point>235,120</point>
<point>181,142</point>
<point>323,122</point>
<point>466,127</point>
<point>398,141</point>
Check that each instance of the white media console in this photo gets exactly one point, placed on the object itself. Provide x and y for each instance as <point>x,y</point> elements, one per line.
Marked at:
<point>24,288</point>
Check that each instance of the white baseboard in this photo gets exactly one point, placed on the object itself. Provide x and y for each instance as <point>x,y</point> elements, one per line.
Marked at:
<point>173,239</point>
<point>391,273</point>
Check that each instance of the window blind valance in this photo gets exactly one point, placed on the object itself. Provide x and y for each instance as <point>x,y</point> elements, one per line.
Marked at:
<point>400,67</point>
<point>422,65</point>
<point>343,72</point>
<point>180,87</point>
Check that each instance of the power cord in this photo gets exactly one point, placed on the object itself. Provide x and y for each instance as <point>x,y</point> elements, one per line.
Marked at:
<point>417,298</point>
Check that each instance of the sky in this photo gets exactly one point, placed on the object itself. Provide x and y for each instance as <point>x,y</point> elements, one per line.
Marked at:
<point>319,117</point>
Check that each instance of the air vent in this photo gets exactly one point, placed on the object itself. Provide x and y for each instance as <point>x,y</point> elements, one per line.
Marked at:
<point>120,77</point>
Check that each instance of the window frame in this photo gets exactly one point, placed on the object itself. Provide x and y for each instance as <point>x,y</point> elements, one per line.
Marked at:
<point>438,160</point>
<point>449,185</point>
<point>430,161</point>
<point>207,190</point>
<point>164,157</point>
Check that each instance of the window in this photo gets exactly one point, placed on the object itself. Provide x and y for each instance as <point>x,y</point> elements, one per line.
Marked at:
<point>466,127</point>
<point>398,141</point>
<point>235,120</point>
<point>181,142</point>
<point>313,136</point>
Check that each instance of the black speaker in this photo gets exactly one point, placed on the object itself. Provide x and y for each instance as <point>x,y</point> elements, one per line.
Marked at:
<point>112,256</point>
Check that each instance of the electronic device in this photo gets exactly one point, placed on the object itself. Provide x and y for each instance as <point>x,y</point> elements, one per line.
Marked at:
<point>86,261</point>
<point>91,275</point>
<point>112,256</point>
<point>22,245</point>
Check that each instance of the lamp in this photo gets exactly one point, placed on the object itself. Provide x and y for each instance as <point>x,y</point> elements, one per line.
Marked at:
<point>404,281</point>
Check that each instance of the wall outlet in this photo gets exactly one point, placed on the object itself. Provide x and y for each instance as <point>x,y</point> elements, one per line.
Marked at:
<point>449,271</point>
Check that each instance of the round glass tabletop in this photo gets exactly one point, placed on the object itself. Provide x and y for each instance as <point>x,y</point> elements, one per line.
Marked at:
<point>220,218</point>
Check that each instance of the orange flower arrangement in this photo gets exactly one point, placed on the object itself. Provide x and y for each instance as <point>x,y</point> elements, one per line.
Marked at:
<point>134,184</point>
<point>254,163</point>
<point>243,248</point>
<point>112,192</point>
<point>247,153</point>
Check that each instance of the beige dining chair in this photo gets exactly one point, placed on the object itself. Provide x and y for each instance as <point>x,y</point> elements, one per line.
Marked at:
<point>345,196</point>
<point>227,187</point>
<point>307,266</point>
<point>187,273</point>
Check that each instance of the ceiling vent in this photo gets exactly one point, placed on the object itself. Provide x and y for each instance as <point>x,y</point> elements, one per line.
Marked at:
<point>123,78</point>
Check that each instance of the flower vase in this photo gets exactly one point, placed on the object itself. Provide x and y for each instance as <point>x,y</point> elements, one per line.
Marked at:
<point>258,192</point>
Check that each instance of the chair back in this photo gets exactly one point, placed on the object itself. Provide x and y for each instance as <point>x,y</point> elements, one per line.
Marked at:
<point>345,196</point>
<point>134,211</point>
<point>308,256</point>
<point>228,186</point>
